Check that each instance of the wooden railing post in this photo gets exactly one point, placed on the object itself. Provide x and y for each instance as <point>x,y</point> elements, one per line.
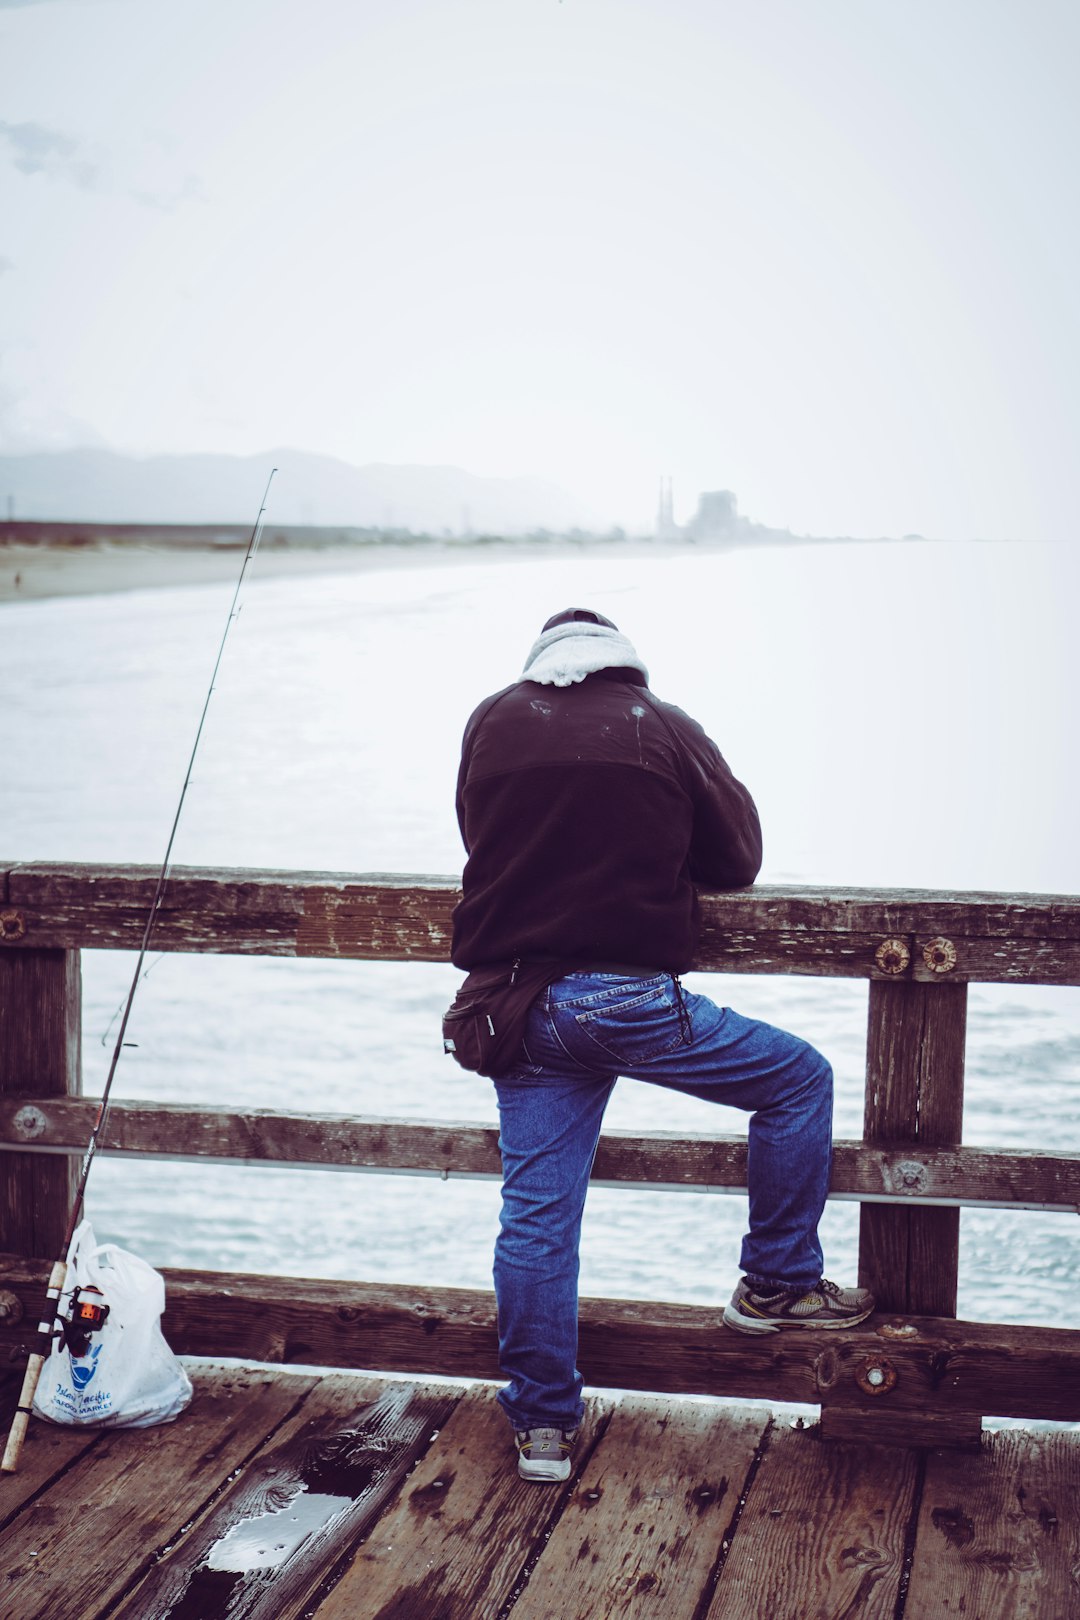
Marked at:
<point>40,1040</point>
<point>907,1257</point>
<point>914,1092</point>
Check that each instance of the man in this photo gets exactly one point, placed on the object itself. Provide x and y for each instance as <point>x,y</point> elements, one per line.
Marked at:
<point>589,810</point>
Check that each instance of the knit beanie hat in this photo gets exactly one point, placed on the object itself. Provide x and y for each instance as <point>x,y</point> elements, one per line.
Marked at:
<point>579,615</point>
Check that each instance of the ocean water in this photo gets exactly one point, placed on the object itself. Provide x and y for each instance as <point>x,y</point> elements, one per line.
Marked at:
<point>904,715</point>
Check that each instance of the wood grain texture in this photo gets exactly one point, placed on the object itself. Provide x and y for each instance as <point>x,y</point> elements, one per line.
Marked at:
<point>40,1034</point>
<point>999,1534</point>
<point>914,1089</point>
<point>807,1530</point>
<point>265,1545</point>
<point>830,932</point>
<point>883,1424</point>
<point>465,1529</point>
<point>72,1552</point>
<point>903,1170</point>
<point>822,1533</point>
<point>643,1529</point>
<point>952,1367</point>
<point>49,1450</point>
<point>986,1368</point>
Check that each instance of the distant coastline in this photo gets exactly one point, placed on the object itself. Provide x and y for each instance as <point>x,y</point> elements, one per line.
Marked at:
<point>45,559</point>
<point>39,560</point>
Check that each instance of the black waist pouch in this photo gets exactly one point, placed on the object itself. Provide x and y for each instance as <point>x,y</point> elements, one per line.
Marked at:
<point>484,1027</point>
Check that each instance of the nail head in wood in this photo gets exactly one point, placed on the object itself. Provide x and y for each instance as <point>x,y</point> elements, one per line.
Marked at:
<point>12,926</point>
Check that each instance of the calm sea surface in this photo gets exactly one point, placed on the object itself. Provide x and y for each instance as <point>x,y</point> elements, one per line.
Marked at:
<point>904,715</point>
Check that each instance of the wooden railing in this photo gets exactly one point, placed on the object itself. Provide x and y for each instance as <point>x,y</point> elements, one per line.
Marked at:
<point>913,1374</point>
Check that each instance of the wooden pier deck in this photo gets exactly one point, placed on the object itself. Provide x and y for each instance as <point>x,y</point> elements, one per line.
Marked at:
<point>283,1494</point>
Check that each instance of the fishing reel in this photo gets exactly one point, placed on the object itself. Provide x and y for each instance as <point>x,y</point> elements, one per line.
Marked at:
<point>88,1315</point>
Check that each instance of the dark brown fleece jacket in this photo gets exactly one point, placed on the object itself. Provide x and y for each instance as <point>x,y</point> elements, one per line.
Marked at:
<point>589,812</point>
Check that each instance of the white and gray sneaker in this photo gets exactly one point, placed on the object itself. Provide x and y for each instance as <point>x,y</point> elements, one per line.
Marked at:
<point>826,1305</point>
<point>544,1454</point>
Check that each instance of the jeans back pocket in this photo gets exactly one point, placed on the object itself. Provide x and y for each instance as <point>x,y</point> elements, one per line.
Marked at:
<point>634,1027</point>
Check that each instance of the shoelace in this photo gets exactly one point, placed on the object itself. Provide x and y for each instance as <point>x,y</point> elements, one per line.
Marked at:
<point>685,1026</point>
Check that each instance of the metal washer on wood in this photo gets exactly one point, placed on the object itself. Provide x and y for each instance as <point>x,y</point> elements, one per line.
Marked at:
<point>893,956</point>
<point>939,955</point>
<point>12,926</point>
<point>876,1375</point>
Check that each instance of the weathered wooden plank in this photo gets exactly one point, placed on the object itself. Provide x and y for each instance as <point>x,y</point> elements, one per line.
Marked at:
<point>1003,961</point>
<point>40,1012</point>
<point>882,1424</point>
<point>464,1529</point>
<point>914,1089</point>
<point>937,1365</point>
<point>1006,1371</point>
<point>984,1368</point>
<point>377,916</point>
<point>999,1534</point>
<point>298,1508</point>
<point>909,1258</point>
<point>643,1530</point>
<point>71,1552</point>
<point>907,1172</point>
<point>822,1533</point>
<point>451,1331</point>
<point>831,932</point>
<point>926,913</point>
<point>48,1451</point>
<point>822,954</point>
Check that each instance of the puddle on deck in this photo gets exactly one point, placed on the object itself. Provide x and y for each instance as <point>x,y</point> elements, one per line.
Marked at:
<point>317,1489</point>
<point>267,1540</point>
<point>247,1557</point>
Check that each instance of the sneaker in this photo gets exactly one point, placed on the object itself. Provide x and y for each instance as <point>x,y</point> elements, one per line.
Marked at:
<point>825,1306</point>
<point>544,1454</point>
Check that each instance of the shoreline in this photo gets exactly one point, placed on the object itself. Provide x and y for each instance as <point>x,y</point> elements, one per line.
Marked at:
<point>30,573</point>
<point>34,572</point>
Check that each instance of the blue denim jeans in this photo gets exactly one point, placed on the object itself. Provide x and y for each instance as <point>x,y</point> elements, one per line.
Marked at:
<point>583,1032</point>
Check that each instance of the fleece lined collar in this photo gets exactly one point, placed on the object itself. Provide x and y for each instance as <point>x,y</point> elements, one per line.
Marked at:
<point>569,652</point>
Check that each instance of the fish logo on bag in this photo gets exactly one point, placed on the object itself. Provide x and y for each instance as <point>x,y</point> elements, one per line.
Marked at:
<point>81,1375</point>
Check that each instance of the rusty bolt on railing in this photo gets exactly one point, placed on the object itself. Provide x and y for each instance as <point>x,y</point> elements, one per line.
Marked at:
<point>910,1175</point>
<point>939,955</point>
<point>876,1375</point>
<point>893,956</point>
<point>11,1308</point>
<point>28,1123</point>
<point>899,1330</point>
<point>12,926</point>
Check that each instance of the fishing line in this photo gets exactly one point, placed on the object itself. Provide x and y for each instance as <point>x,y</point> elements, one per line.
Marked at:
<point>58,1275</point>
<point>107,1031</point>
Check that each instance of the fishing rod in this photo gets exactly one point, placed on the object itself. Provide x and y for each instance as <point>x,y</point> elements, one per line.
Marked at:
<point>58,1275</point>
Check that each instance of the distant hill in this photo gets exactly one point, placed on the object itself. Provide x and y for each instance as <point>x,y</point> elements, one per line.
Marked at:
<point>99,486</point>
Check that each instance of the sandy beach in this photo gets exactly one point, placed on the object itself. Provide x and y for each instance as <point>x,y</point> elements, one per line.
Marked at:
<point>29,572</point>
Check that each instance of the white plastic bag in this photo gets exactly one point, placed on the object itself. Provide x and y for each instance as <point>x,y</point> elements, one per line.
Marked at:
<point>128,1377</point>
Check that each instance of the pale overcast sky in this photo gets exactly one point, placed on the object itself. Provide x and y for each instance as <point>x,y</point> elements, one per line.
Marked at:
<point>820,252</point>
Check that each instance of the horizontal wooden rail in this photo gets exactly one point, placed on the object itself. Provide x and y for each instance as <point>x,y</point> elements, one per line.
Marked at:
<point>890,934</point>
<point>902,1173</point>
<point>962,1369</point>
<point>918,949</point>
